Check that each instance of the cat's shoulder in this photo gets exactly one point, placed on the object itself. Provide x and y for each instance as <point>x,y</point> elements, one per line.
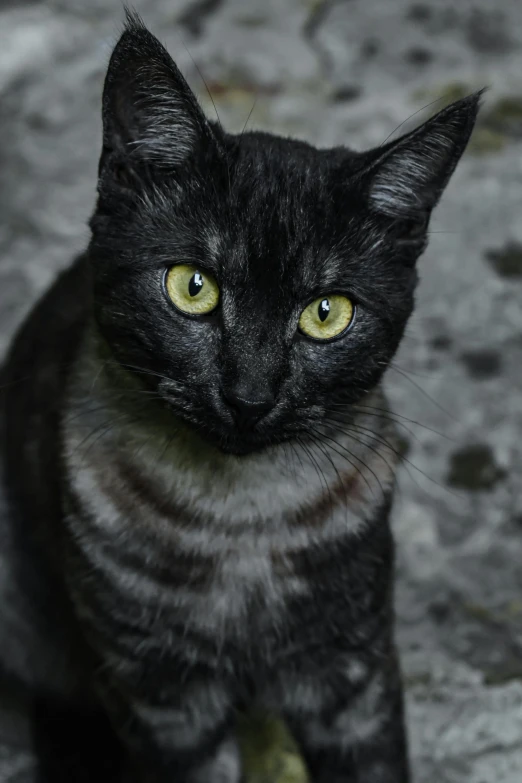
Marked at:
<point>33,380</point>
<point>53,323</point>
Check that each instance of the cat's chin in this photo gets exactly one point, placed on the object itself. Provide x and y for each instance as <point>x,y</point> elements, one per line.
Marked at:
<point>242,449</point>
<point>239,445</point>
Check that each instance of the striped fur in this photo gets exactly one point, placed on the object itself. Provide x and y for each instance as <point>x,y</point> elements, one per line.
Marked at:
<point>188,560</point>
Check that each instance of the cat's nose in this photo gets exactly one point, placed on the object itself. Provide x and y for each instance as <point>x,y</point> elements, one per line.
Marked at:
<point>247,411</point>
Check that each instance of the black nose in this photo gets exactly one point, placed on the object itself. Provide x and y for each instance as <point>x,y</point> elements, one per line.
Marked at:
<point>247,412</point>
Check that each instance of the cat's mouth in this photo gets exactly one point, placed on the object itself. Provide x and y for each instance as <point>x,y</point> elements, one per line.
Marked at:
<point>242,447</point>
<point>230,438</point>
<point>240,443</point>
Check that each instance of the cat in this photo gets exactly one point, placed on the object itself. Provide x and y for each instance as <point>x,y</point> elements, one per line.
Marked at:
<point>198,460</point>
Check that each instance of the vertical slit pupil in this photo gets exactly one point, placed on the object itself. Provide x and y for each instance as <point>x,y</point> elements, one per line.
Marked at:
<point>195,284</point>
<point>324,310</point>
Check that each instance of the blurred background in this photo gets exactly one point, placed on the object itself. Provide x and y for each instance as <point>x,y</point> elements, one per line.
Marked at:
<point>344,72</point>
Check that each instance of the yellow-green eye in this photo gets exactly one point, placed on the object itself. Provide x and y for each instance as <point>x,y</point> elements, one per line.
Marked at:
<point>327,317</point>
<point>192,290</point>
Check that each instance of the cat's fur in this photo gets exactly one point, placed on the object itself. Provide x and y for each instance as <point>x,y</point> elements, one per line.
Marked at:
<point>161,567</point>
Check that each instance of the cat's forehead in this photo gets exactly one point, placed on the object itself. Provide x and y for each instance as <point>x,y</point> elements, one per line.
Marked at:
<point>264,262</point>
<point>272,167</point>
<point>281,221</point>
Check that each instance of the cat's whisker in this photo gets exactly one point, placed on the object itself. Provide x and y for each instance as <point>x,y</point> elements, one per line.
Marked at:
<point>348,418</point>
<point>298,456</point>
<point>323,436</point>
<point>392,416</point>
<point>87,409</point>
<point>423,392</point>
<point>105,428</point>
<point>330,460</point>
<point>322,448</point>
<point>350,431</point>
<point>327,456</point>
<point>169,439</point>
<point>418,374</point>
<point>314,463</point>
<point>402,457</point>
<point>85,412</point>
<point>325,478</point>
<point>142,446</point>
<point>293,452</point>
<point>102,367</point>
<point>104,431</point>
<point>367,445</point>
<point>344,426</point>
<point>94,431</point>
<point>186,383</point>
<point>365,432</point>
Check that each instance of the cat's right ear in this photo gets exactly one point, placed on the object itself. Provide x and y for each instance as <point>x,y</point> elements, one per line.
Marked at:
<point>407,177</point>
<point>150,115</point>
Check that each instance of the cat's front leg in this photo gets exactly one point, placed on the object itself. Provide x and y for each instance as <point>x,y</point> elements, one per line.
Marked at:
<point>223,766</point>
<point>184,737</point>
<point>357,733</point>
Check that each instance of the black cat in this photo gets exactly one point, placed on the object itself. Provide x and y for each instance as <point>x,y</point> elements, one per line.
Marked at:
<point>198,459</point>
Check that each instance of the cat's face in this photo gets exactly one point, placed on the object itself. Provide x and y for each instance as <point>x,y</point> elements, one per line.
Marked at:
<point>257,284</point>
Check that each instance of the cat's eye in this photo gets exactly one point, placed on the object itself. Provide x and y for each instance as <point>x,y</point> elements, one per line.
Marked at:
<point>327,317</point>
<point>192,290</point>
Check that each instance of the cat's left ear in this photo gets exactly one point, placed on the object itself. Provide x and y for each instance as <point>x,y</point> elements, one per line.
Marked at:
<point>150,115</point>
<point>407,177</point>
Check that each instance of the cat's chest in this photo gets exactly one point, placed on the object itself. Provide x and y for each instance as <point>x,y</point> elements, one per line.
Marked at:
<point>214,545</point>
<point>249,588</point>
<point>175,561</point>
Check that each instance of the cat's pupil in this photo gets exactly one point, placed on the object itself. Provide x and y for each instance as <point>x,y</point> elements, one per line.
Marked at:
<point>324,310</point>
<point>195,284</point>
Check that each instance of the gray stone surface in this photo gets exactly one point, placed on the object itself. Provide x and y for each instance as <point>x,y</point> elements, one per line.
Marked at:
<point>345,72</point>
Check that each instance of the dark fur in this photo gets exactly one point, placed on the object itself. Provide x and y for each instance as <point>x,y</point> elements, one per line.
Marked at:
<point>279,223</point>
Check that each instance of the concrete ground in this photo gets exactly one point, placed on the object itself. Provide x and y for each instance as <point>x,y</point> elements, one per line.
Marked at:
<point>346,72</point>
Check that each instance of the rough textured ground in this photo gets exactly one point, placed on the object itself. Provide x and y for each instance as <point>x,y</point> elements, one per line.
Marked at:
<point>345,72</point>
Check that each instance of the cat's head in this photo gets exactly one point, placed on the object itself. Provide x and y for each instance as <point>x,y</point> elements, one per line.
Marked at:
<point>255,282</point>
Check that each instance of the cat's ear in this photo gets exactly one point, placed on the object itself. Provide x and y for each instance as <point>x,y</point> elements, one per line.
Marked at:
<point>150,115</point>
<point>407,177</point>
